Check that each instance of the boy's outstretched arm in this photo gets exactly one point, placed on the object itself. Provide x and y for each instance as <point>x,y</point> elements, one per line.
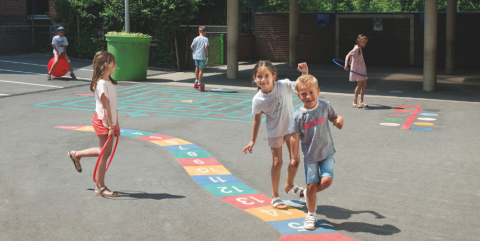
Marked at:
<point>294,142</point>
<point>337,121</point>
<point>302,67</point>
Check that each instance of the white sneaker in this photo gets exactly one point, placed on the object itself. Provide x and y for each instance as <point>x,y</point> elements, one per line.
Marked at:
<point>309,222</point>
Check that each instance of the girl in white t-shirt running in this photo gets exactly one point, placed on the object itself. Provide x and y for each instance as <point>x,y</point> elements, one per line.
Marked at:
<point>105,119</point>
<point>274,99</point>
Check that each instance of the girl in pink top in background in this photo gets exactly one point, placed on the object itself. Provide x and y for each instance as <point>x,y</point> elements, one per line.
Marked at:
<point>358,65</point>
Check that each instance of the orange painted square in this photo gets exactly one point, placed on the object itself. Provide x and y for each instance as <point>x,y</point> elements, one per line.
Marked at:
<point>206,170</point>
<point>86,128</point>
<point>269,213</point>
<point>171,142</point>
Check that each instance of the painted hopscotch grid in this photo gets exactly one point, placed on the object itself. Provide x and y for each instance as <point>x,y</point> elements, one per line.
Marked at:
<point>217,180</point>
<point>147,101</point>
<point>403,111</point>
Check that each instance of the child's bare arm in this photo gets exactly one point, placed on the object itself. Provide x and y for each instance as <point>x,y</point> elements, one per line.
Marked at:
<point>346,62</point>
<point>302,67</point>
<point>191,46</point>
<point>337,121</point>
<point>294,143</point>
<point>108,113</point>
<point>256,126</point>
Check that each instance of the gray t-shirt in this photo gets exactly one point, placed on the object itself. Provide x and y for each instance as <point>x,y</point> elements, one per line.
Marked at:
<point>315,137</point>
<point>199,44</point>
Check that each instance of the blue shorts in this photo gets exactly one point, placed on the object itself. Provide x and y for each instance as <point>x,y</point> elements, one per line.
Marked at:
<point>200,63</point>
<point>315,170</point>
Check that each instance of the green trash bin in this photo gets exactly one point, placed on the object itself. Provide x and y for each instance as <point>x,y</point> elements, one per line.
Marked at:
<point>131,56</point>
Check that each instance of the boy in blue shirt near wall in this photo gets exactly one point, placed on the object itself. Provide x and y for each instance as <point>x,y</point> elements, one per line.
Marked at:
<point>200,55</point>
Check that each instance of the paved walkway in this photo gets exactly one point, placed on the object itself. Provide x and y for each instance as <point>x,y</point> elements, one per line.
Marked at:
<point>406,168</point>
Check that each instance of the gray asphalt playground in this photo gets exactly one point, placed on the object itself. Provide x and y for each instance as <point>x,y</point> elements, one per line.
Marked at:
<point>390,183</point>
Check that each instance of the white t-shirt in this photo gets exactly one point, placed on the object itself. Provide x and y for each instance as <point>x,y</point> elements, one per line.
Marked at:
<point>277,105</point>
<point>110,91</point>
<point>59,42</point>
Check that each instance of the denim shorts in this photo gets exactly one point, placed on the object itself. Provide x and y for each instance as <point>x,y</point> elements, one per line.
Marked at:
<point>200,63</point>
<point>315,170</point>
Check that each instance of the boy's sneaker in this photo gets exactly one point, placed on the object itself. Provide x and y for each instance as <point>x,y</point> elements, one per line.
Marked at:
<point>201,86</point>
<point>310,222</point>
<point>195,85</point>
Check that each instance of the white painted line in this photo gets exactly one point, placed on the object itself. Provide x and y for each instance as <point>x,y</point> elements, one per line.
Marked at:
<point>25,72</point>
<point>22,63</point>
<point>23,83</point>
<point>4,94</point>
<point>43,65</point>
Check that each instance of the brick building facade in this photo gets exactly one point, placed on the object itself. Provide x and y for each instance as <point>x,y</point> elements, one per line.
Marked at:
<point>400,43</point>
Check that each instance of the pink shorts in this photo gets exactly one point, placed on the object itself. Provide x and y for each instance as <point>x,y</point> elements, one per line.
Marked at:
<point>275,142</point>
<point>98,126</point>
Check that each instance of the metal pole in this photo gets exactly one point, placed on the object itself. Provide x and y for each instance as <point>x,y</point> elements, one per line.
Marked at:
<point>451,22</point>
<point>127,16</point>
<point>293,47</point>
<point>430,45</point>
<point>232,39</point>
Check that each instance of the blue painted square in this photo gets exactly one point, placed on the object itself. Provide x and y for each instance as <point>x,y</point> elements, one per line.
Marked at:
<point>126,130</point>
<point>295,226</point>
<point>137,133</point>
<point>189,147</point>
<point>215,179</point>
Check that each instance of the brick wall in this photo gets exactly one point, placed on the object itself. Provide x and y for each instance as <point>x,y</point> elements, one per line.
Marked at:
<point>13,12</point>
<point>388,47</point>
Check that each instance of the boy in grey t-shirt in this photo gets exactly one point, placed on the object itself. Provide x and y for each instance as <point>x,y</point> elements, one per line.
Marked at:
<point>309,124</point>
<point>200,55</point>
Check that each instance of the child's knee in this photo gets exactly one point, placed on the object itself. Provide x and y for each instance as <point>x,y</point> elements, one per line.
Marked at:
<point>326,181</point>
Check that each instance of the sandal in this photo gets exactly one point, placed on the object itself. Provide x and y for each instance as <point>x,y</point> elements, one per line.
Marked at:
<point>277,202</point>
<point>75,160</point>
<point>102,190</point>
<point>296,191</point>
<point>354,104</point>
<point>73,76</point>
<point>49,76</point>
<point>363,104</point>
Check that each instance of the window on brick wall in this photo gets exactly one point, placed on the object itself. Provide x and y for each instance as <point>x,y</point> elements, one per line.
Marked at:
<point>41,7</point>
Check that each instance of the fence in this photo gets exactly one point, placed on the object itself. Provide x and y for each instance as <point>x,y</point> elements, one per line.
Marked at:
<point>215,51</point>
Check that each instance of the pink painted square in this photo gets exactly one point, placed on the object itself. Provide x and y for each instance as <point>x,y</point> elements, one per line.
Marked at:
<point>323,236</point>
<point>69,127</point>
<point>205,161</point>
<point>156,137</point>
<point>248,201</point>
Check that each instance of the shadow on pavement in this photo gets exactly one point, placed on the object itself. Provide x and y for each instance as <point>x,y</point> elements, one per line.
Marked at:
<point>333,212</point>
<point>356,227</point>
<point>130,195</point>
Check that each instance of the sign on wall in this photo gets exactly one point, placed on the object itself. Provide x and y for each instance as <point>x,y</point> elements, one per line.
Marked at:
<point>377,24</point>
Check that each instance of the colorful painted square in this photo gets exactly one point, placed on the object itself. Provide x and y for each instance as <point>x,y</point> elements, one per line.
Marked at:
<point>155,137</point>
<point>268,213</point>
<point>207,161</point>
<point>126,130</point>
<point>189,147</point>
<point>171,142</point>
<point>191,154</point>
<point>223,190</point>
<point>248,201</point>
<point>295,226</point>
<point>137,133</point>
<point>86,128</point>
<point>325,236</point>
<point>207,170</point>
<point>215,179</point>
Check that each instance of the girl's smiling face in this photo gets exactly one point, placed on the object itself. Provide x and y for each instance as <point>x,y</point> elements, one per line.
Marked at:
<point>363,43</point>
<point>264,80</point>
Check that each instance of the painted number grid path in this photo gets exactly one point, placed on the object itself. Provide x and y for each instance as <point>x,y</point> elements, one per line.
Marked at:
<point>145,101</point>
<point>217,180</point>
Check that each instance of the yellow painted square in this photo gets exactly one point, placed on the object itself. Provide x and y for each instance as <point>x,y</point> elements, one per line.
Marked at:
<point>207,170</point>
<point>269,213</point>
<point>86,128</point>
<point>171,142</point>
